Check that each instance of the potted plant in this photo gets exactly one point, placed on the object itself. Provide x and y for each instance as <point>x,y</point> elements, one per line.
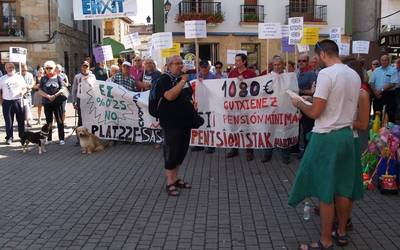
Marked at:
<point>250,17</point>
<point>210,18</point>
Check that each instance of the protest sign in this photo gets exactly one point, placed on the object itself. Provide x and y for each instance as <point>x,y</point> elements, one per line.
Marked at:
<point>360,47</point>
<point>195,29</point>
<point>100,9</point>
<point>335,35</point>
<point>295,30</point>
<point>310,36</point>
<point>231,54</point>
<point>188,65</point>
<point>112,113</point>
<point>269,31</point>
<point>18,55</point>
<point>344,49</point>
<point>132,40</point>
<point>103,53</point>
<point>162,40</point>
<point>285,30</point>
<point>252,113</point>
<point>175,50</point>
<point>285,45</point>
<point>303,48</point>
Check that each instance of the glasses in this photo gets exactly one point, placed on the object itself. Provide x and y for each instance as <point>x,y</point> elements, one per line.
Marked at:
<point>137,60</point>
<point>302,61</point>
<point>375,64</point>
<point>49,68</point>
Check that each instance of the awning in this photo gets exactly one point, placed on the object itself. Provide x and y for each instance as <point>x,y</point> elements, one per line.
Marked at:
<point>116,46</point>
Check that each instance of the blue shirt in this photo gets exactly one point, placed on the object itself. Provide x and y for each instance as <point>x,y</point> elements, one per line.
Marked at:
<point>382,76</point>
<point>306,79</point>
<point>207,77</point>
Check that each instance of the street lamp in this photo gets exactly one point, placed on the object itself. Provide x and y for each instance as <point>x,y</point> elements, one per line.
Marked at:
<point>167,8</point>
<point>148,19</point>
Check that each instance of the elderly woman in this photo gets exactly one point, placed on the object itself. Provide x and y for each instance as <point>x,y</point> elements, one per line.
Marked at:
<point>51,89</point>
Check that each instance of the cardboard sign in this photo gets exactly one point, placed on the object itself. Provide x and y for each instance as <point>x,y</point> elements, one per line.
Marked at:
<point>175,50</point>
<point>103,53</point>
<point>285,30</point>
<point>303,48</point>
<point>189,65</point>
<point>18,55</point>
<point>195,29</point>
<point>162,40</point>
<point>335,35</point>
<point>295,30</point>
<point>310,36</point>
<point>231,54</point>
<point>344,49</point>
<point>100,9</point>
<point>360,47</point>
<point>286,47</point>
<point>269,31</point>
<point>132,40</point>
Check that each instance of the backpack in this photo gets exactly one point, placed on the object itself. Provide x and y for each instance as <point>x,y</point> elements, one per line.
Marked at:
<point>154,99</point>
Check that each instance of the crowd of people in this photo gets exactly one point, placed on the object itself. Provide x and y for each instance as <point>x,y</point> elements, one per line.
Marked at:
<point>340,90</point>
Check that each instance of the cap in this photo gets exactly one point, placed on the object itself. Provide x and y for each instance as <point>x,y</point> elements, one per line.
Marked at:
<point>127,64</point>
<point>204,64</point>
<point>86,63</point>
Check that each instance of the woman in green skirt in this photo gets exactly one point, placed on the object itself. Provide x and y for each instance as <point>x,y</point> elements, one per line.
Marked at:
<point>328,169</point>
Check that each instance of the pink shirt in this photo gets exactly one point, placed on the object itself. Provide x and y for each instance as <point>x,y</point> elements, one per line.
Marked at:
<point>136,73</point>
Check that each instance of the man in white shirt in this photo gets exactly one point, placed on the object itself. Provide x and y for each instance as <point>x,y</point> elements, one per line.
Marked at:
<point>27,100</point>
<point>328,170</point>
<point>12,89</point>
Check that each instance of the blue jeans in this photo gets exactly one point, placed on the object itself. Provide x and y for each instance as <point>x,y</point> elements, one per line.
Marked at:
<point>11,108</point>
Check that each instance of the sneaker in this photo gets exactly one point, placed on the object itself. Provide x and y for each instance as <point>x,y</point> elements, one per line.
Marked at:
<point>9,141</point>
<point>47,142</point>
<point>62,142</point>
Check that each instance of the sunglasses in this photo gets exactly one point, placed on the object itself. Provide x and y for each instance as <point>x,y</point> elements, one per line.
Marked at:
<point>85,66</point>
<point>375,64</point>
<point>49,68</point>
<point>302,61</point>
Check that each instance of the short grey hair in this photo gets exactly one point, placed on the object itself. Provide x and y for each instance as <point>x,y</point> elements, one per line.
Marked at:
<point>172,59</point>
<point>277,59</point>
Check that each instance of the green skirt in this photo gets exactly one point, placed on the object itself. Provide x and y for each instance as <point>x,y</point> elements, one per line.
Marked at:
<point>330,166</point>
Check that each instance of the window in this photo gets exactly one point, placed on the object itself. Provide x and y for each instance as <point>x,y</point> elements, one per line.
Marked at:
<point>302,7</point>
<point>99,35</point>
<point>8,17</point>
<point>94,33</point>
<point>108,28</point>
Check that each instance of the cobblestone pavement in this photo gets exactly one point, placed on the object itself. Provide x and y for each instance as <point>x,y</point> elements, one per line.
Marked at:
<point>116,200</point>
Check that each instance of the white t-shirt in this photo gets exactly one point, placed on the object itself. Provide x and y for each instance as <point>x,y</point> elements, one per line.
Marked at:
<point>340,86</point>
<point>11,86</point>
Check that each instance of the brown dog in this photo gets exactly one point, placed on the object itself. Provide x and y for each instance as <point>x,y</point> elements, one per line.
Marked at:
<point>89,142</point>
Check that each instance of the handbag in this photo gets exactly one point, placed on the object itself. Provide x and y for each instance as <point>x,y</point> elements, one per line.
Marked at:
<point>198,121</point>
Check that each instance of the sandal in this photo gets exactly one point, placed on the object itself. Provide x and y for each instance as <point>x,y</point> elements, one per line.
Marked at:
<point>181,184</point>
<point>318,246</point>
<point>340,240</point>
<point>172,190</point>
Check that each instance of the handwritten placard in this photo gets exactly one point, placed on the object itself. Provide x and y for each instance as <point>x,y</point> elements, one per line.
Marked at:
<point>295,30</point>
<point>162,40</point>
<point>195,29</point>
<point>269,31</point>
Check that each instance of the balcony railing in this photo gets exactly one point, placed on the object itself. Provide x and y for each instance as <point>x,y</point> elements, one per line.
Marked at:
<point>12,26</point>
<point>252,13</point>
<point>389,28</point>
<point>209,11</point>
<point>310,13</point>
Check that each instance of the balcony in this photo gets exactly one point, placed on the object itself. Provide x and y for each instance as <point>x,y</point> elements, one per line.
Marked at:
<point>12,26</point>
<point>390,28</point>
<point>251,13</point>
<point>209,11</point>
<point>310,13</point>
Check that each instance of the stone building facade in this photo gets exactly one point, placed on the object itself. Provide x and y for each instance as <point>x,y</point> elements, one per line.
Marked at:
<point>47,30</point>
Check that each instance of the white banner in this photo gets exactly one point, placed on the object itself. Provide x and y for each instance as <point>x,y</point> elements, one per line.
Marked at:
<point>269,31</point>
<point>132,40</point>
<point>360,47</point>
<point>295,30</point>
<point>162,40</point>
<point>195,29</point>
<point>113,113</point>
<point>18,55</point>
<point>231,54</point>
<point>100,9</point>
<point>253,113</point>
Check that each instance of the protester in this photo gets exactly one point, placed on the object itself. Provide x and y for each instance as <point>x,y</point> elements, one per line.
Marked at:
<point>268,69</point>
<point>374,65</point>
<point>219,74</point>
<point>114,69</point>
<point>120,61</point>
<point>306,79</point>
<point>291,67</point>
<point>315,64</point>
<point>176,115</point>
<point>228,69</point>
<point>91,63</point>
<point>124,79</point>
<point>37,98</point>
<point>136,71</point>
<point>60,72</point>
<point>27,99</point>
<point>101,72</point>
<point>12,88</point>
<point>51,89</point>
<point>383,83</point>
<point>277,69</point>
<point>150,75</point>
<point>397,92</point>
<point>204,74</point>
<point>241,72</point>
<point>328,169</point>
<point>85,76</point>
